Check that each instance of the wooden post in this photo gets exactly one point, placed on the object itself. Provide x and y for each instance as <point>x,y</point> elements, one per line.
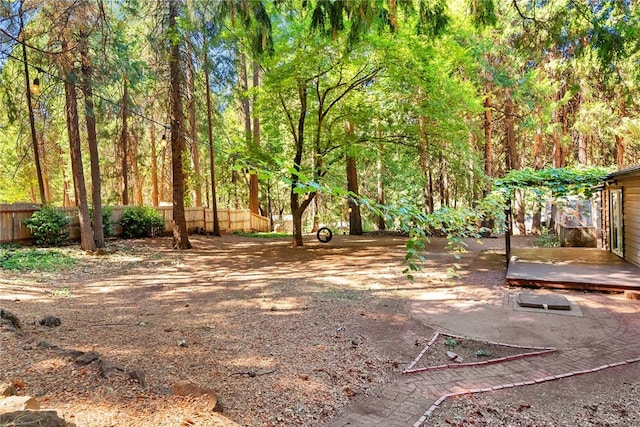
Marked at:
<point>507,233</point>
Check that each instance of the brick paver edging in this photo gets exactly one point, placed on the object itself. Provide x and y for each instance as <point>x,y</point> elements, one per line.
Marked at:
<point>538,352</point>
<point>421,422</point>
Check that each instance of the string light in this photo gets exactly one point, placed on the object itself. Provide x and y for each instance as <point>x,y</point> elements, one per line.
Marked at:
<point>35,87</point>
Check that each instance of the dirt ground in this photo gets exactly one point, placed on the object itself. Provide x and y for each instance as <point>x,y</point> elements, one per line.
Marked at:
<point>280,335</point>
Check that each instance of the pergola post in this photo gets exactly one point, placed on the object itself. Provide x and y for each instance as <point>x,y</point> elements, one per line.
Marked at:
<point>507,233</point>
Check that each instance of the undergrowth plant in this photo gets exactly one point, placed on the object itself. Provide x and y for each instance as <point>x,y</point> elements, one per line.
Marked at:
<point>22,259</point>
<point>451,342</point>
<point>141,221</point>
<point>48,226</point>
<point>547,239</point>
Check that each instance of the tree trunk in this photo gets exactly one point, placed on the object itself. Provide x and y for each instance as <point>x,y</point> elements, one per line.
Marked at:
<point>92,139</point>
<point>155,195</point>
<point>66,199</point>
<point>355,218</point>
<point>538,142</point>
<point>124,144</point>
<point>32,124</point>
<point>380,185</point>
<point>443,182</point>
<point>559,119</point>
<point>86,236</point>
<point>248,129</point>
<point>254,191</point>
<point>519,214</point>
<point>316,217</point>
<point>180,234</point>
<point>45,172</point>
<point>536,222</point>
<point>513,158</point>
<point>269,206</point>
<point>582,148</point>
<point>557,148</point>
<point>135,170</point>
<point>164,179</point>
<point>297,225</point>
<point>488,131</point>
<point>424,165</point>
<point>620,146</point>
<point>212,166</point>
<point>297,208</point>
<point>195,153</point>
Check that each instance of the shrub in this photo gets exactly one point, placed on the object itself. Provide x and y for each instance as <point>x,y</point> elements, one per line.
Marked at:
<point>140,221</point>
<point>547,239</point>
<point>107,226</point>
<point>48,226</point>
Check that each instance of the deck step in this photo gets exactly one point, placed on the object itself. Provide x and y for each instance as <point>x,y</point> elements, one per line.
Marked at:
<point>547,302</point>
<point>571,268</point>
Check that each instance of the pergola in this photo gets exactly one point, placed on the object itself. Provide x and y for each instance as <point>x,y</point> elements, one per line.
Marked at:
<point>560,182</point>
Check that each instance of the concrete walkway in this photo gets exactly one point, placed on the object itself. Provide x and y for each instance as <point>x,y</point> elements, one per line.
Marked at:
<point>601,330</point>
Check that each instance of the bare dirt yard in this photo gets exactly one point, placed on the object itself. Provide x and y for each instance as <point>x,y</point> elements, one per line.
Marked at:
<point>279,335</point>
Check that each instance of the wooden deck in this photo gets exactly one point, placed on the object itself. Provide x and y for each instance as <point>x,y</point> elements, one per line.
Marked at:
<point>571,268</point>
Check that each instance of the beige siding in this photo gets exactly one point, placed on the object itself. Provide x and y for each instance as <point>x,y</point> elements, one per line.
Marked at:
<point>631,214</point>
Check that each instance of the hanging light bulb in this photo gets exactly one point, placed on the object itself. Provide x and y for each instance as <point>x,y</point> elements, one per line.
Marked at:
<point>35,87</point>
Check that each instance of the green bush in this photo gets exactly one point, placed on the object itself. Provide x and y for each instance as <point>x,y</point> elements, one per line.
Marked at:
<point>141,221</point>
<point>547,239</point>
<point>107,226</point>
<point>48,226</point>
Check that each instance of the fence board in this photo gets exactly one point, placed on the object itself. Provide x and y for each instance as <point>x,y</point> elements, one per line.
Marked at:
<point>198,219</point>
<point>12,228</point>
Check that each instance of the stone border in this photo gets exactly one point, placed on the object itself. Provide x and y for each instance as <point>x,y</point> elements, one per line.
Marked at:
<point>538,352</point>
<point>421,422</point>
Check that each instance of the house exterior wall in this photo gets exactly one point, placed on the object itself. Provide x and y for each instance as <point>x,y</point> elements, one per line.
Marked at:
<point>629,182</point>
<point>604,218</point>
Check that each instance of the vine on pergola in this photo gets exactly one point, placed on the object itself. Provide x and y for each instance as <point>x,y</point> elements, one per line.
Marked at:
<point>561,182</point>
<point>580,181</point>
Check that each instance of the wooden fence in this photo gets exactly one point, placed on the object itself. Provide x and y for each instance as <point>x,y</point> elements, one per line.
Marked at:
<point>198,220</point>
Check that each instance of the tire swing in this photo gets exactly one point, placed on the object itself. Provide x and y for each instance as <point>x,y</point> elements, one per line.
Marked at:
<point>324,235</point>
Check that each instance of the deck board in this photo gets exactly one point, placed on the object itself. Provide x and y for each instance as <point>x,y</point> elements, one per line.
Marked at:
<point>571,268</point>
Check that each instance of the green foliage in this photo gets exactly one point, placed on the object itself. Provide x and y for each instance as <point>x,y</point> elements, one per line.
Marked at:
<point>454,224</point>
<point>451,342</point>
<point>547,239</point>
<point>483,13</point>
<point>107,226</point>
<point>19,259</point>
<point>48,226</point>
<point>579,181</point>
<point>433,18</point>
<point>141,221</point>
<point>482,353</point>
